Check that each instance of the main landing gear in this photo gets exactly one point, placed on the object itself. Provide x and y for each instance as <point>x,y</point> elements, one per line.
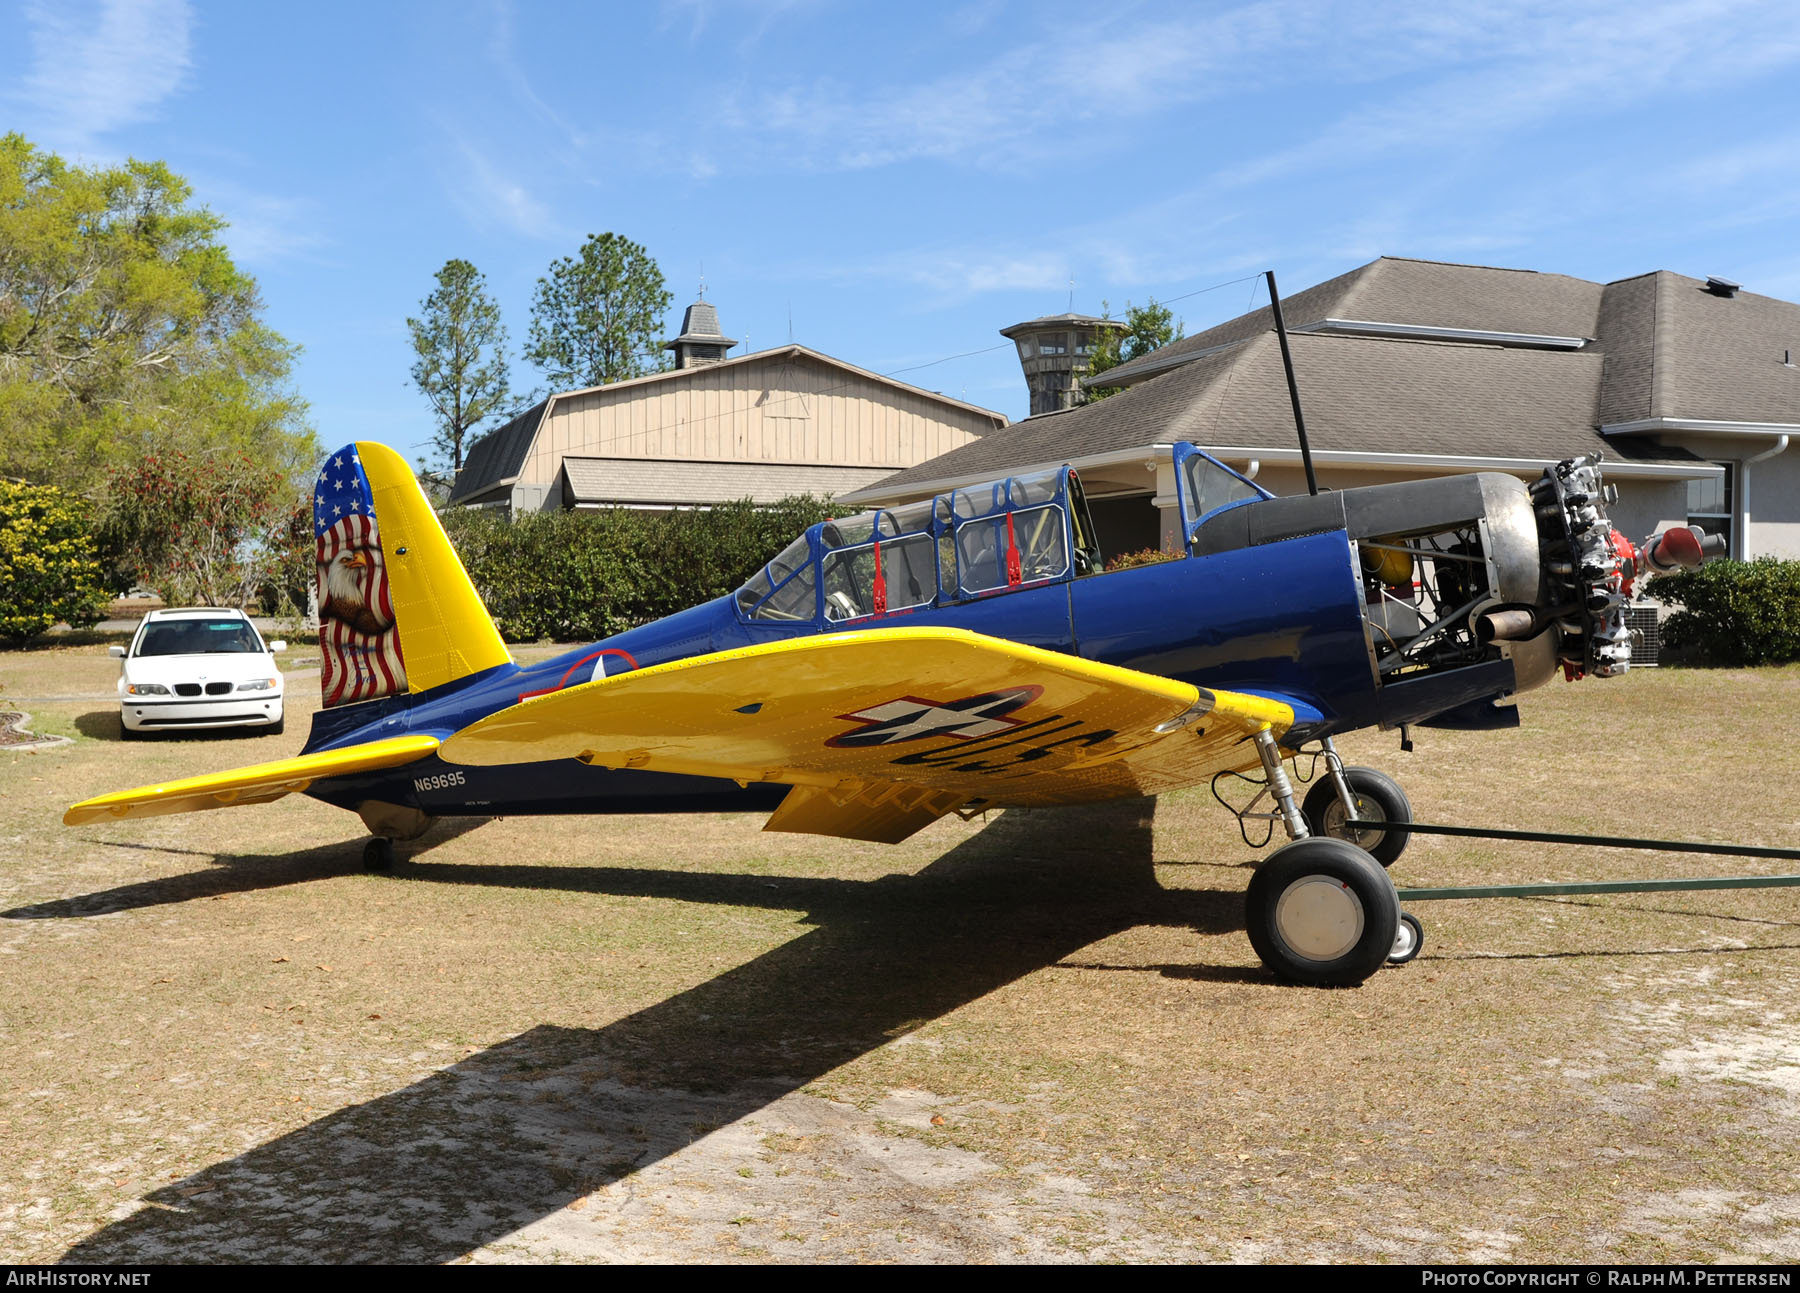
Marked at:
<point>378,854</point>
<point>1322,910</point>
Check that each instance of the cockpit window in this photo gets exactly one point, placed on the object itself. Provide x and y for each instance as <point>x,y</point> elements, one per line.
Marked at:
<point>1011,549</point>
<point>879,562</point>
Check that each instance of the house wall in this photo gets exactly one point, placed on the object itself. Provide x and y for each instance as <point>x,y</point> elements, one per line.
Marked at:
<point>1772,505</point>
<point>786,410</point>
<point>1766,494</point>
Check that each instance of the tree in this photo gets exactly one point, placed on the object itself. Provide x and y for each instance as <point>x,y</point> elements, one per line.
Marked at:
<point>1147,328</point>
<point>597,318</point>
<point>210,529</point>
<point>48,570</point>
<point>125,328</point>
<point>461,368</point>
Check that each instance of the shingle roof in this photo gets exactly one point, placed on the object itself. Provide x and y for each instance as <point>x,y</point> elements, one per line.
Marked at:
<point>1361,394</point>
<point>497,457</point>
<point>701,323</point>
<point>1662,347</point>
<point>1061,320</point>
<point>1394,289</point>
<point>684,482</point>
<point>1720,357</point>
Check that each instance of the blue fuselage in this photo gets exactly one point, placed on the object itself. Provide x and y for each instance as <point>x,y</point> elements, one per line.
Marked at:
<point>1283,619</point>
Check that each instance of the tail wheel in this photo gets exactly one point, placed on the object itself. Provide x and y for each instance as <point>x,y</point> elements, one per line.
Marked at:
<point>1377,796</point>
<point>1409,939</point>
<point>378,854</point>
<point>1322,912</point>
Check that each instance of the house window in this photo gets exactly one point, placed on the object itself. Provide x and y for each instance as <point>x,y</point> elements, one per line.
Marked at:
<point>1053,343</point>
<point>1709,505</point>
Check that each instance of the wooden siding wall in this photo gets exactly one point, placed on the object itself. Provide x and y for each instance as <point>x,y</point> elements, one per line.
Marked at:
<point>783,411</point>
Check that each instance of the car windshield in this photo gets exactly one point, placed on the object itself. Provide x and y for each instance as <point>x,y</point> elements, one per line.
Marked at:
<point>198,637</point>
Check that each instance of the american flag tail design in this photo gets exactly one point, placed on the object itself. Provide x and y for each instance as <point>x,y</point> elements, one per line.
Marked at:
<point>359,634</point>
<point>397,612</point>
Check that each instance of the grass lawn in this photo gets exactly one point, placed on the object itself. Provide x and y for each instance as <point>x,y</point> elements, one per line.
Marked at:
<point>1037,1037</point>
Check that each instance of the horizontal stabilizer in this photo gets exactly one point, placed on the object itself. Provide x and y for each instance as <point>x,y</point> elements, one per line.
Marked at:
<point>258,784</point>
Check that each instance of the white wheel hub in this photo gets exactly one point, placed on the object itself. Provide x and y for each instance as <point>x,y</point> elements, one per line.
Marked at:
<point>1319,918</point>
<point>1406,941</point>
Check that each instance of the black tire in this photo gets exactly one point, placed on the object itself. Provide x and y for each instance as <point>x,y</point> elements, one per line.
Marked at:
<point>277,727</point>
<point>1377,795</point>
<point>1322,912</point>
<point>1409,939</point>
<point>129,733</point>
<point>378,855</point>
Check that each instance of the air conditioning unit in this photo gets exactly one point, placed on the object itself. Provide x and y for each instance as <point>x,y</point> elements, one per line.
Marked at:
<point>1646,636</point>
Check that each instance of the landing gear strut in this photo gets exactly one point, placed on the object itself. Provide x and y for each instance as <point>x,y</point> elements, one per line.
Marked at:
<point>1347,795</point>
<point>1322,910</point>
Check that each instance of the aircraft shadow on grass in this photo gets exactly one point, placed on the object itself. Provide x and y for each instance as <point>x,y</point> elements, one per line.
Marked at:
<point>478,1150</point>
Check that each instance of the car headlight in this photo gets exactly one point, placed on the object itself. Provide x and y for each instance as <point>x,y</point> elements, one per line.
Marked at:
<point>146,689</point>
<point>259,684</point>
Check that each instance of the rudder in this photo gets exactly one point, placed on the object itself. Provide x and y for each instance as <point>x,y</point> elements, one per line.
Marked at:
<point>397,612</point>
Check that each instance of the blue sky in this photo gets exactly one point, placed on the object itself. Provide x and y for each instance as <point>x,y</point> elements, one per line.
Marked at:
<point>901,181</point>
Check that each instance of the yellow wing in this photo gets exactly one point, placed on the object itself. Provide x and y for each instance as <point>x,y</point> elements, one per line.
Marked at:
<point>884,731</point>
<point>258,784</point>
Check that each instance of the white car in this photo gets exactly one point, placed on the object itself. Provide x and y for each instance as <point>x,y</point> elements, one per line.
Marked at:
<point>192,669</point>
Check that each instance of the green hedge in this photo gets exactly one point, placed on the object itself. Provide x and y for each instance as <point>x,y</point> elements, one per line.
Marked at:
<point>581,576</point>
<point>1733,612</point>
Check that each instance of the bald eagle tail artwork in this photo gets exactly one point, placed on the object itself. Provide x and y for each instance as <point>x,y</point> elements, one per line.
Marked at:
<point>397,613</point>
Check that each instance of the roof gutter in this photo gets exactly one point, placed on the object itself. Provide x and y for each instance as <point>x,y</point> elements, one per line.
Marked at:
<point>1447,464</point>
<point>1701,426</point>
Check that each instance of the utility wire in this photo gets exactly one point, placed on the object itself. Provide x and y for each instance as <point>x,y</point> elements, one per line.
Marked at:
<point>699,423</point>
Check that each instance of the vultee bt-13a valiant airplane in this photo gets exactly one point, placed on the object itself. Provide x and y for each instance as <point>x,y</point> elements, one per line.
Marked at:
<point>969,652</point>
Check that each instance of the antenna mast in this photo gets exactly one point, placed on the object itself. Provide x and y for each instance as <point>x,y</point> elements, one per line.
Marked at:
<point>1287,362</point>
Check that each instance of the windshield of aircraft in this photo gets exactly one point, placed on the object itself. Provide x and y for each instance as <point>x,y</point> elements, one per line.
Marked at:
<point>1207,486</point>
<point>1011,532</point>
<point>783,589</point>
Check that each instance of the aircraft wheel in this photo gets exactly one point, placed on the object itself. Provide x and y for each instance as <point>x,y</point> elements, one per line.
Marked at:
<point>1377,795</point>
<point>1322,912</point>
<point>1409,939</point>
<point>378,855</point>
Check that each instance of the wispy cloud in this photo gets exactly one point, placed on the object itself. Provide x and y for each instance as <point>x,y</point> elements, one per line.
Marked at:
<point>1493,77</point>
<point>1468,68</point>
<point>99,65</point>
<point>264,229</point>
<point>490,197</point>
